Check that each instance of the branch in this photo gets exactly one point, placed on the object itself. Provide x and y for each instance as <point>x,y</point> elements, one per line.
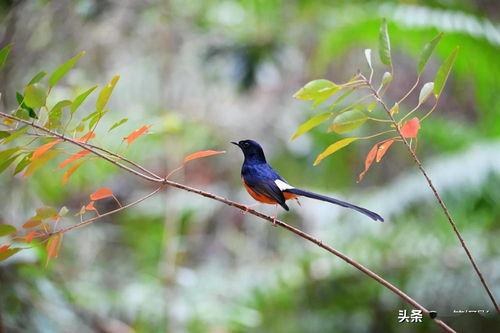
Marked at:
<point>436,194</point>
<point>242,207</point>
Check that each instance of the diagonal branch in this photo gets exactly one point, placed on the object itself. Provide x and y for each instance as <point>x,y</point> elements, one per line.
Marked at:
<point>436,194</point>
<point>242,207</point>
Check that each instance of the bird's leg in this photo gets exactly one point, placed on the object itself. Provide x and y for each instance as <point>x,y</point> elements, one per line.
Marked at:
<point>275,215</point>
<point>247,207</point>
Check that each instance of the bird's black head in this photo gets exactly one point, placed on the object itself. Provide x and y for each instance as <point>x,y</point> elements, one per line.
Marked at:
<point>252,150</point>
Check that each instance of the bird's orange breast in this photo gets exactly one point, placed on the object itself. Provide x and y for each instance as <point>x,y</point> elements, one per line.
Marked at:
<point>263,198</point>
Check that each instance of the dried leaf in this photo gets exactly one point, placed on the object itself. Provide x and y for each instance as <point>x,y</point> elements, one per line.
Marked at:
<point>101,193</point>
<point>73,158</point>
<point>44,158</point>
<point>382,149</point>
<point>86,137</point>
<point>30,236</point>
<point>368,161</point>
<point>410,128</point>
<point>90,206</point>
<point>137,133</point>
<point>70,171</point>
<point>201,154</point>
<point>42,149</point>
<point>53,246</point>
<point>32,222</point>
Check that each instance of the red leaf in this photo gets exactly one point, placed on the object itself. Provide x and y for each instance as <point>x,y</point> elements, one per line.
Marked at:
<point>73,158</point>
<point>42,149</point>
<point>382,149</point>
<point>70,171</point>
<point>86,137</point>
<point>90,206</point>
<point>53,246</point>
<point>410,128</point>
<point>369,160</point>
<point>137,133</point>
<point>29,237</point>
<point>4,248</point>
<point>101,193</point>
<point>201,154</point>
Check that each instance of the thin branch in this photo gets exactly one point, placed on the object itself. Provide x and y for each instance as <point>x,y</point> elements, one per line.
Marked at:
<point>244,208</point>
<point>436,194</point>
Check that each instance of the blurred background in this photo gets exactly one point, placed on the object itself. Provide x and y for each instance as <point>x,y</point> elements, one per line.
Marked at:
<point>208,72</point>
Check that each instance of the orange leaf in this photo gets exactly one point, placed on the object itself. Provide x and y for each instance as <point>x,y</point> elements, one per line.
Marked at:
<point>42,149</point>
<point>29,237</point>
<point>73,158</point>
<point>101,193</point>
<point>410,128</point>
<point>86,137</point>
<point>382,149</point>
<point>53,246</point>
<point>4,248</point>
<point>369,160</point>
<point>90,206</point>
<point>137,133</point>
<point>70,171</point>
<point>200,154</point>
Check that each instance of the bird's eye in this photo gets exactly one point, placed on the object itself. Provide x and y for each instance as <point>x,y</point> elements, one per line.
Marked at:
<point>246,144</point>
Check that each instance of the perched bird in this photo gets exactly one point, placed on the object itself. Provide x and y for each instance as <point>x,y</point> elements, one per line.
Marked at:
<point>265,185</point>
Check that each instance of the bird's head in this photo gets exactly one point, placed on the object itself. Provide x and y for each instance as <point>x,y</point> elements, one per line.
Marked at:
<point>251,149</point>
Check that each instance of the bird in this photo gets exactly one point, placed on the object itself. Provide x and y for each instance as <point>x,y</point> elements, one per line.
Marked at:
<point>266,185</point>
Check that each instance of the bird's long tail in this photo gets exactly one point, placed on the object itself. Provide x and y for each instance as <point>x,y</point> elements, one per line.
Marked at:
<point>316,196</point>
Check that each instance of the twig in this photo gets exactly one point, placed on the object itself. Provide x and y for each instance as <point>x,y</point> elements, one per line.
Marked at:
<point>242,207</point>
<point>436,194</point>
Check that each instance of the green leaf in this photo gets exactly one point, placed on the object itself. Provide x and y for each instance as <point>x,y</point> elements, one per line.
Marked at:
<point>4,54</point>
<point>5,154</point>
<point>45,212</point>
<point>425,92</point>
<point>6,229</point>
<point>39,162</point>
<point>55,113</point>
<point>395,108</point>
<point>426,53</point>
<point>20,101</point>
<point>37,78</point>
<point>35,95</point>
<point>103,98</point>
<point>63,69</point>
<point>23,164</point>
<point>4,164</point>
<point>119,123</point>
<point>348,121</point>
<point>371,106</point>
<point>386,78</point>
<point>384,44</point>
<point>311,123</point>
<point>80,98</point>
<point>341,98</point>
<point>333,148</point>
<point>317,90</point>
<point>96,118</point>
<point>8,253</point>
<point>444,71</point>
<point>16,134</point>
<point>4,134</point>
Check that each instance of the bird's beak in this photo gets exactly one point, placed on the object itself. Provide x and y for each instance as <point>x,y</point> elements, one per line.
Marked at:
<point>235,143</point>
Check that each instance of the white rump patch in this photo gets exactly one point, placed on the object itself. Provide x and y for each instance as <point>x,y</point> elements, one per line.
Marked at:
<point>282,185</point>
